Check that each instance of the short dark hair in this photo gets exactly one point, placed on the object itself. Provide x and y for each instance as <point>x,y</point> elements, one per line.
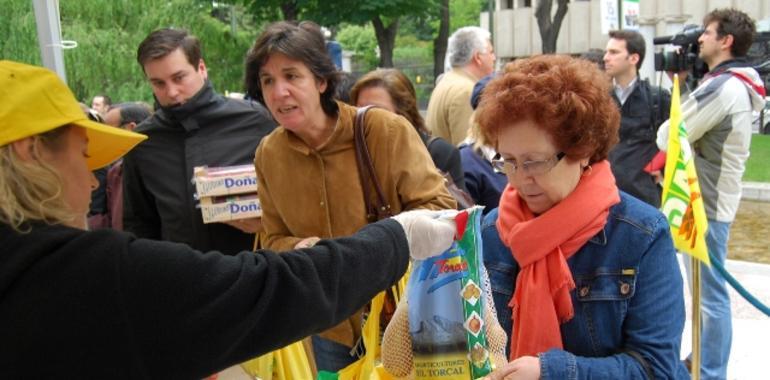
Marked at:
<point>345,86</point>
<point>163,42</point>
<point>596,56</point>
<point>737,23</point>
<point>634,43</point>
<point>297,43</point>
<point>107,100</point>
<point>133,112</point>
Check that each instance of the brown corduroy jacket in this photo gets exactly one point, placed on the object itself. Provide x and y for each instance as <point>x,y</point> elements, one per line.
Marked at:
<point>308,192</point>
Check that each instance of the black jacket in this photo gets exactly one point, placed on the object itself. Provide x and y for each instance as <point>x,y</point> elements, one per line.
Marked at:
<point>106,305</point>
<point>158,194</point>
<point>641,115</point>
<point>446,157</point>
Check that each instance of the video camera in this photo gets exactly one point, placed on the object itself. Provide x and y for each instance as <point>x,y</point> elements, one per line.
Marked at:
<point>686,57</point>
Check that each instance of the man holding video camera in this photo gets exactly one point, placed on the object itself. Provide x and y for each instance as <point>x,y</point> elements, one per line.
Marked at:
<point>718,116</point>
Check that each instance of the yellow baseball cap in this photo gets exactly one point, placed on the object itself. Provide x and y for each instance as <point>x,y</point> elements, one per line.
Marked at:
<point>33,100</point>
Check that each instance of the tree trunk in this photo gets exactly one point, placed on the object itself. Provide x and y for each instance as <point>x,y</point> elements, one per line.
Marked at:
<point>440,43</point>
<point>386,40</point>
<point>289,10</point>
<point>549,28</point>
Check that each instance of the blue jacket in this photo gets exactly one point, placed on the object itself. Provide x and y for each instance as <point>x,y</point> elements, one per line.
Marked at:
<point>628,299</point>
<point>484,184</point>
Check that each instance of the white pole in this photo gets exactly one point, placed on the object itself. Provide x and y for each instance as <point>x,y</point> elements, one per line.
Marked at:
<point>49,35</point>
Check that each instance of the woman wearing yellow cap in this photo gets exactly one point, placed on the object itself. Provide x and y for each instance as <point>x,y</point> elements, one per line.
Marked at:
<point>104,304</point>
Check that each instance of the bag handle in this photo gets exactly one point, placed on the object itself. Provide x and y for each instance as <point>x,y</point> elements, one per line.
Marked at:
<point>381,209</point>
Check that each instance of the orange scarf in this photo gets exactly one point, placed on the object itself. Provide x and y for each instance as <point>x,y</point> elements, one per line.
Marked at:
<point>541,245</point>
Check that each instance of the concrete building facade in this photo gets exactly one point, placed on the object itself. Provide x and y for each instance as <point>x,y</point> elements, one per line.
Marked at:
<point>516,32</point>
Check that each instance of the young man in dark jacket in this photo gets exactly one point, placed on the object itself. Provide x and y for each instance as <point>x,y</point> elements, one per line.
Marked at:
<point>192,126</point>
<point>642,108</point>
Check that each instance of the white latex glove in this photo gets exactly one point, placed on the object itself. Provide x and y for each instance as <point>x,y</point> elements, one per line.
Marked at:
<point>429,233</point>
<point>307,242</point>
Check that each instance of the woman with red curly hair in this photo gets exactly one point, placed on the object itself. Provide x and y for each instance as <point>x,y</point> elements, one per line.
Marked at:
<point>584,277</point>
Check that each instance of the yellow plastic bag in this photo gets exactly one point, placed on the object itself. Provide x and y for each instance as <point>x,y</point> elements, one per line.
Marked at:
<point>369,366</point>
<point>285,363</point>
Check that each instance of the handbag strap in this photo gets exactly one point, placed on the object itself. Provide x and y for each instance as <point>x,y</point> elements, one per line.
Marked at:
<point>366,172</point>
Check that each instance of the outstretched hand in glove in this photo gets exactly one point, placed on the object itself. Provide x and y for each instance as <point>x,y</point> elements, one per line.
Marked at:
<point>429,233</point>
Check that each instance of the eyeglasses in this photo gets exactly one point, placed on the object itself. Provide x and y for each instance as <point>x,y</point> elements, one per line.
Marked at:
<point>532,168</point>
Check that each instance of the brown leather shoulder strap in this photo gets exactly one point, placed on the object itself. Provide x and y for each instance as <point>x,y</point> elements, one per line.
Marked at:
<point>366,171</point>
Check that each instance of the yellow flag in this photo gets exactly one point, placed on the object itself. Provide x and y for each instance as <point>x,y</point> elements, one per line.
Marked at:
<point>682,202</point>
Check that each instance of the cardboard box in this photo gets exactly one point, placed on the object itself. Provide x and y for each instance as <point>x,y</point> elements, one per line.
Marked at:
<point>225,180</point>
<point>232,207</point>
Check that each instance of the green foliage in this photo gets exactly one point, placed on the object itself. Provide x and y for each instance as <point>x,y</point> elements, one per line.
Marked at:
<point>465,13</point>
<point>411,51</point>
<point>757,168</point>
<point>108,34</point>
<point>419,26</point>
<point>17,26</point>
<point>363,11</point>
<point>362,42</point>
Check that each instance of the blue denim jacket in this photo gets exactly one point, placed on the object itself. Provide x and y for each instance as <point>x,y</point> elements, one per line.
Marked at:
<point>628,300</point>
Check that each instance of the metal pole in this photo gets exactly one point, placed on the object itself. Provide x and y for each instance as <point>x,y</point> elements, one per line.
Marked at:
<point>492,20</point>
<point>696,320</point>
<point>49,35</point>
<point>233,24</point>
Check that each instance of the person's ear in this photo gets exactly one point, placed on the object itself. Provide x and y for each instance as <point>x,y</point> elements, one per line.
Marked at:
<point>24,149</point>
<point>130,126</point>
<point>727,41</point>
<point>321,85</point>
<point>202,69</point>
<point>477,57</point>
<point>633,59</point>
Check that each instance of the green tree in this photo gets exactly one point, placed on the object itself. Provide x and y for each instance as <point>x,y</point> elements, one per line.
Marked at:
<point>108,33</point>
<point>440,43</point>
<point>465,13</point>
<point>362,42</point>
<point>384,16</point>
<point>549,23</point>
<point>273,10</point>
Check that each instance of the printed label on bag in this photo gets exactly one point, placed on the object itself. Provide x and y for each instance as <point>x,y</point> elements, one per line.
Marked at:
<point>445,309</point>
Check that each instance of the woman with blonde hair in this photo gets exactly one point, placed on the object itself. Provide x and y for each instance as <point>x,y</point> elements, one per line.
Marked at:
<point>105,304</point>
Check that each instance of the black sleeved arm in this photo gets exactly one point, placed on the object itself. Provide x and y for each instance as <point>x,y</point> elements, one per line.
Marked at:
<point>201,312</point>
<point>140,216</point>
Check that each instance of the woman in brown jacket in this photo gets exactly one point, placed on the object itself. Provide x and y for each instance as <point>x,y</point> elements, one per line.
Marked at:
<point>309,185</point>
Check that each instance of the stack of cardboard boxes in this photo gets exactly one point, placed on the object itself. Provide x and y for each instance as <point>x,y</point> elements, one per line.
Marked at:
<point>227,193</point>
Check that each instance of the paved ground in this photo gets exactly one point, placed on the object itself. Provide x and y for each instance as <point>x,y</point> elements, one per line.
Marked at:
<point>756,191</point>
<point>751,329</point>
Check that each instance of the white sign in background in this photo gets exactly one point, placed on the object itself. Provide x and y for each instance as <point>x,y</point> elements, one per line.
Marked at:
<point>608,11</point>
<point>630,14</point>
